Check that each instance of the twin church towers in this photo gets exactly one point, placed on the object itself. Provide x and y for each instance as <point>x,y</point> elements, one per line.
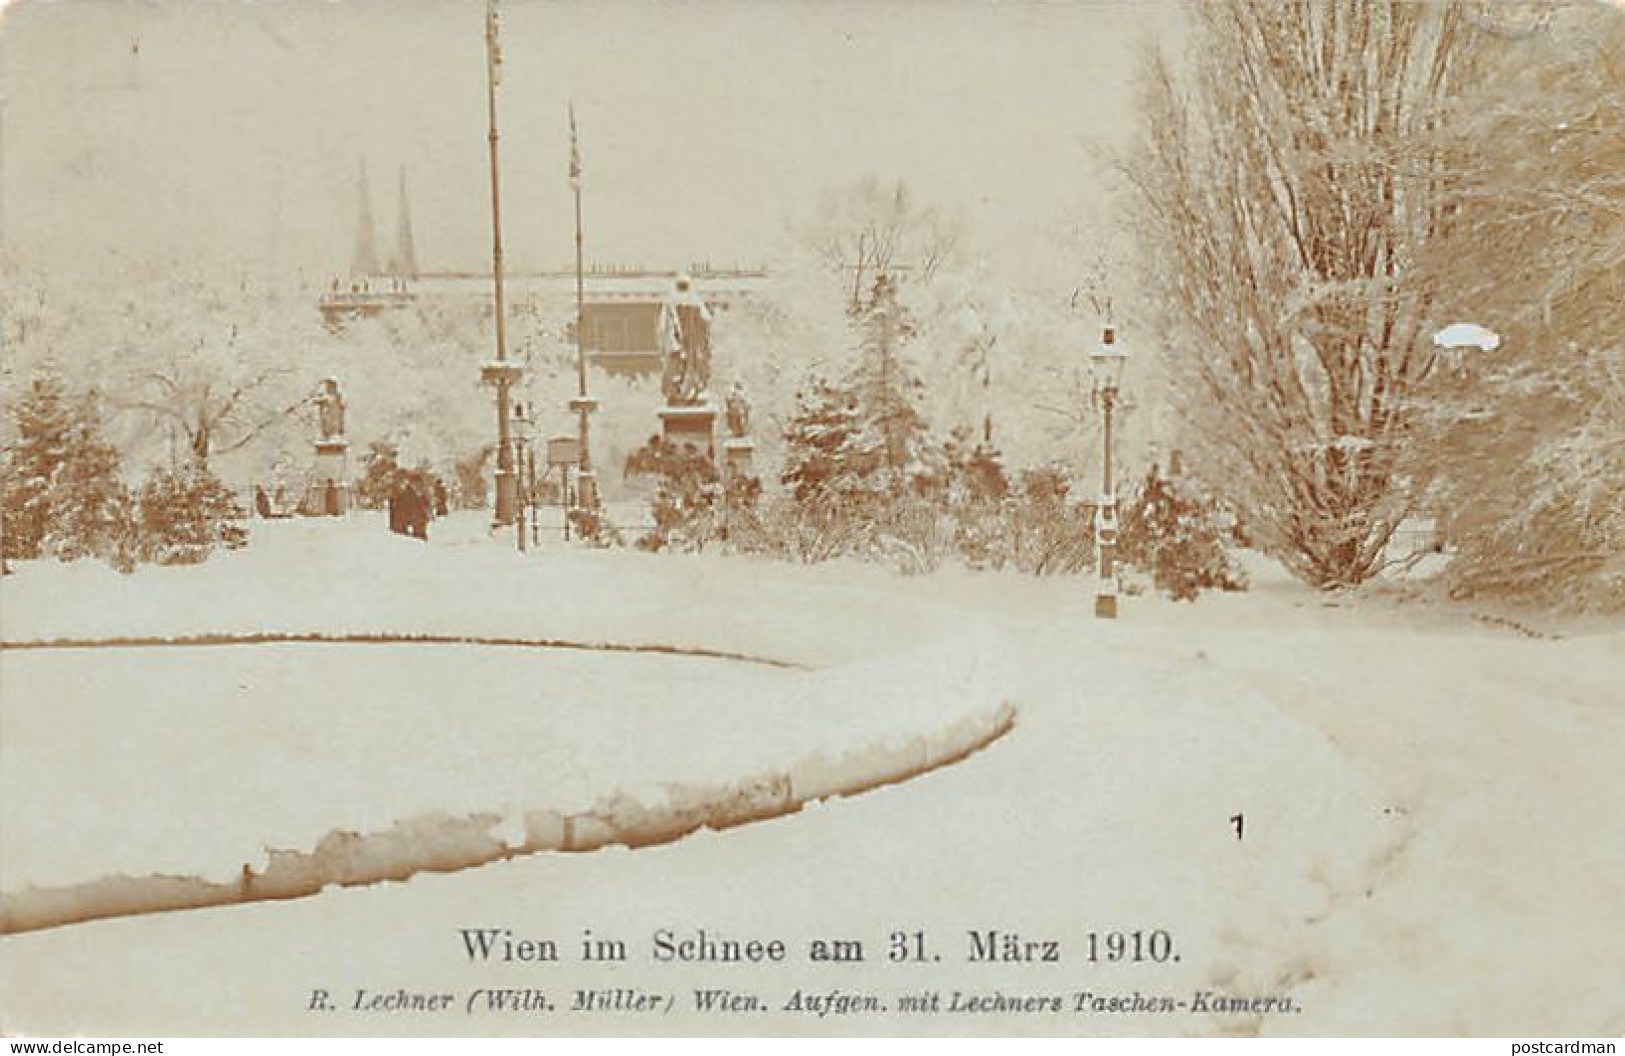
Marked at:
<point>402,263</point>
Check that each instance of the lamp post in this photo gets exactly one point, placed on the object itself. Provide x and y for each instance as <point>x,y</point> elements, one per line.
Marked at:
<point>520,431</point>
<point>1107,362</point>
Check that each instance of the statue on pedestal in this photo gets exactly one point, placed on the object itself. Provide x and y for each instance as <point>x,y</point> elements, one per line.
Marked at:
<point>685,345</point>
<point>329,490</point>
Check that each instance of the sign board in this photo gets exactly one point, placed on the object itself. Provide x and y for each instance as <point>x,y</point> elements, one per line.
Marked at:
<point>563,451</point>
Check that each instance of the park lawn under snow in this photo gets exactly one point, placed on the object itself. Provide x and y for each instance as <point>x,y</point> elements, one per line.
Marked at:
<point>197,760</point>
<point>1432,808</point>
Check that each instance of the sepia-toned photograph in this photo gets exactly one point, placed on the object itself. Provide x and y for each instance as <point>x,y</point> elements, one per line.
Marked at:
<point>914,518</point>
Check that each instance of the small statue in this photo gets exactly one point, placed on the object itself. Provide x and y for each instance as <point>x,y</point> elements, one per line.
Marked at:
<point>330,410</point>
<point>736,409</point>
<point>685,344</point>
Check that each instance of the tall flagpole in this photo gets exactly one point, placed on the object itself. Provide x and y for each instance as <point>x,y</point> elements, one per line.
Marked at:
<point>583,405</point>
<point>500,373</point>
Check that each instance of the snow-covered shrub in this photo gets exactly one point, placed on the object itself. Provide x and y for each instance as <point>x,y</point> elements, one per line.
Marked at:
<point>1048,533</point>
<point>470,491</point>
<point>1172,530</point>
<point>687,495</point>
<point>976,491</point>
<point>185,514</point>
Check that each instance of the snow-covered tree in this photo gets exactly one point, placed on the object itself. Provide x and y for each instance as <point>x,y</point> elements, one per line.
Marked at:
<point>184,514</point>
<point>221,366</point>
<point>411,380</point>
<point>872,228</point>
<point>776,343</point>
<point>1528,448</point>
<point>1282,202</point>
<point>893,437</point>
<point>43,424</point>
<point>818,440</point>
<point>1172,530</point>
<point>859,446</point>
<point>62,493</point>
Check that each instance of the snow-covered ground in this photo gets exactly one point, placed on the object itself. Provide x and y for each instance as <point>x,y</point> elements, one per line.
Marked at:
<point>1431,808</point>
<point>172,752</point>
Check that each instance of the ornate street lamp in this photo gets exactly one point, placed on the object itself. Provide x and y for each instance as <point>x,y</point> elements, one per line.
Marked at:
<point>1106,364</point>
<point>520,429</point>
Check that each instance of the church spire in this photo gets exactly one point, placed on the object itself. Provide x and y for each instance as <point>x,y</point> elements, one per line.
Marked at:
<point>365,260</point>
<point>405,263</point>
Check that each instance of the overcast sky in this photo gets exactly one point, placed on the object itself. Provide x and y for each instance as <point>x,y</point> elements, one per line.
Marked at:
<point>232,132</point>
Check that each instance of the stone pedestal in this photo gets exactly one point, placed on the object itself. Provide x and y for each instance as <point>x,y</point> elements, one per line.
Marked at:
<point>586,479</point>
<point>738,457</point>
<point>693,425</point>
<point>503,374</point>
<point>329,493</point>
<point>587,489</point>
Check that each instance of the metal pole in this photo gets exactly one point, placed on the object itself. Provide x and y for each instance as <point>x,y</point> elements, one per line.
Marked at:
<point>1108,396</point>
<point>564,500</point>
<point>585,481</point>
<point>1106,595</point>
<point>504,471</point>
<point>530,492</point>
<point>524,500</point>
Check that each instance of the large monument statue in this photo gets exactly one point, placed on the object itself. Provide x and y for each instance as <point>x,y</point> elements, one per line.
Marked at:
<point>685,345</point>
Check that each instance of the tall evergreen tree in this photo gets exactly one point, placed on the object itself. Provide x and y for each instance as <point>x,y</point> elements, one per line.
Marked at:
<point>62,490</point>
<point>818,440</point>
<point>44,425</point>
<point>892,436</point>
<point>91,508</point>
<point>859,447</point>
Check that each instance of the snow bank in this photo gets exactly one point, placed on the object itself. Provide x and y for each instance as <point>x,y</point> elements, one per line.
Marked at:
<point>437,843</point>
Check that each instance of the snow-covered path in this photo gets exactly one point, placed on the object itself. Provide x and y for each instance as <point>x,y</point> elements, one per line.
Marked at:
<point>1431,842</point>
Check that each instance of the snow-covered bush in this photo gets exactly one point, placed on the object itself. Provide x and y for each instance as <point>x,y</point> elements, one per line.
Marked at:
<point>1172,530</point>
<point>687,495</point>
<point>1050,534</point>
<point>976,493</point>
<point>184,514</point>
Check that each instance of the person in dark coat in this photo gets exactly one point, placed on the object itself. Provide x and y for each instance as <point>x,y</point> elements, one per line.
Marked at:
<point>397,511</point>
<point>418,515</point>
